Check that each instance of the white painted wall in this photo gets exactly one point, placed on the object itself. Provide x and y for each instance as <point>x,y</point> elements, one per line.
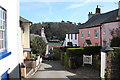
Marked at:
<point>103,65</point>
<point>72,40</point>
<point>13,36</point>
<point>27,35</point>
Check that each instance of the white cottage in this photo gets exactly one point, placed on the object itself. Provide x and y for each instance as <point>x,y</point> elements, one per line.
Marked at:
<point>25,36</point>
<point>10,45</point>
<point>71,38</point>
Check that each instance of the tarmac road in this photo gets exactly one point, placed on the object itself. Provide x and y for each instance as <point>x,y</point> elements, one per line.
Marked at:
<point>53,70</point>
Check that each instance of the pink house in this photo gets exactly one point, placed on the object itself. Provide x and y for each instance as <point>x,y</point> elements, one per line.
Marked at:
<point>89,36</point>
<point>96,31</point>
<point>106,32</point>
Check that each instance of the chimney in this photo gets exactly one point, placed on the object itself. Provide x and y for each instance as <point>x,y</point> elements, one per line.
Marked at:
<point>42,32</point>
<point>98,11</point>
<point>90,15</point>
<point>118,11</point>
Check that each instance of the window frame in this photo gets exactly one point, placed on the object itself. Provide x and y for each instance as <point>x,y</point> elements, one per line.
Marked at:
<point>88,34</point>
<point>75,36</point>
<point>71,36</point>
<point>3,51</point>
<point>96,33</point>
<point>2,29</point>
<point>68,36</point>
<point>82,34</point>
<point>104,29</point>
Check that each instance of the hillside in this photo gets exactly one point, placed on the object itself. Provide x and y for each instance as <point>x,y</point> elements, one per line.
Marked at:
<point>53,30</point>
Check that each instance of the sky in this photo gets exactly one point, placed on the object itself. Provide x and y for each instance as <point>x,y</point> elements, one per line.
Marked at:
<point>67,10</point>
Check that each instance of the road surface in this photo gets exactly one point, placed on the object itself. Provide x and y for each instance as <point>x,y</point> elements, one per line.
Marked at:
<point>53,70</point>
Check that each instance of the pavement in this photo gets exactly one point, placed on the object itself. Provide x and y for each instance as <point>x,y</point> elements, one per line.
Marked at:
<point>53,70</point>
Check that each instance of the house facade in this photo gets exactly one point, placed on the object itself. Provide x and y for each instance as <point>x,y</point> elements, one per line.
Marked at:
<point>106,32</point>
<point>25,36</point>
<point>89,37</point>
<point>97,30</point>
<point>71,38</point>
<point>9,39</point>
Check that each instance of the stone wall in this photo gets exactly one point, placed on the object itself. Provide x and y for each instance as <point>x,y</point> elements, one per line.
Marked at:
<point>113,65</point>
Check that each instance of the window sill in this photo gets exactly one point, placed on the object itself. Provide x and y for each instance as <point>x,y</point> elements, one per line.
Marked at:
<point>4,54</point>
<point>96,37</point>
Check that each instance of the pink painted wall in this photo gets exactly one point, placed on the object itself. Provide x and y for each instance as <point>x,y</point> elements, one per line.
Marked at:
<point>107,36</point>
<point>92,38</point>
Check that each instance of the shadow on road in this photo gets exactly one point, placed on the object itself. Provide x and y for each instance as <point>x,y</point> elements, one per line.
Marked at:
<point>53,66</point>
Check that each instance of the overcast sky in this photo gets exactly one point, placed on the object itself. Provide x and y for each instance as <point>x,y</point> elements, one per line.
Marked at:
<point>56,11</point>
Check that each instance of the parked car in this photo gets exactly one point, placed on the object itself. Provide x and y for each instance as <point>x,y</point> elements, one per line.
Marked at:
<point>48,57</point>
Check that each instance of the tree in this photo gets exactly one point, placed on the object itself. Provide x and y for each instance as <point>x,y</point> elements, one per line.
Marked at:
<point>38,46</point>
<point>115,42</point>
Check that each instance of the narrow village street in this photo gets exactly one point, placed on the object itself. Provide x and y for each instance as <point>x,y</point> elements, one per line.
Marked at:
<point>53,70</point>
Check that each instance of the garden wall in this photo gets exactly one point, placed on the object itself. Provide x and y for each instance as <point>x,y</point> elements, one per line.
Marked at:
<point>113,64</point>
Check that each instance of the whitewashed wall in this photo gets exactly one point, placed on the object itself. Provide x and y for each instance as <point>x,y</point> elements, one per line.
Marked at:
<point>72,40</point>
<point>103,65</point>
<point>27,35</point>
<point>13,36</point>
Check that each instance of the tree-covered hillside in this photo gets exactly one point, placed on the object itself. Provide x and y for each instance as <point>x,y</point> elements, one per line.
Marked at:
<point>53,29</point>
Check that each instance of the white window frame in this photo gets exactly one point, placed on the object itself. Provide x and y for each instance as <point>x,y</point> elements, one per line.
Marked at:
<point>88,34</point>
<point>96,33</point>
<point>2,30</point>
<point>104,29</point>
<point>82,35</point>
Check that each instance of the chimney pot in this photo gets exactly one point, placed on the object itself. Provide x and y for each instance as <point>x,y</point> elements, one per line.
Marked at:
<point>97,6</point>
<point>89,12</point>
<point>98,10</point>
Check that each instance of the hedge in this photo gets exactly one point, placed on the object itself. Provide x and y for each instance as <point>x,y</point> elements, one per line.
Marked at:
<point>92,50</point>
<point>77,54</point>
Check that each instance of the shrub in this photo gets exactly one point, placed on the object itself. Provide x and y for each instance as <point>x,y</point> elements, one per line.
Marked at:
<point>72,57</point>
<point>92,50</point>
<point>115,42</point>
<point>57,53</point>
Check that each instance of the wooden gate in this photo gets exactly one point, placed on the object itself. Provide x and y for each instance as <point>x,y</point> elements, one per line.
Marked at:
<point>87,59</point>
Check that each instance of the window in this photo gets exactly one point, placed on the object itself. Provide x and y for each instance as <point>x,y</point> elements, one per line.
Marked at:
<point>75,36</point>
<point>71,36</point>
<point>88,34</point>
<point>96,33</point>
<point>2,29</point>
<point>104,29</point>
<point>68,36</point>
<point>82,34</point>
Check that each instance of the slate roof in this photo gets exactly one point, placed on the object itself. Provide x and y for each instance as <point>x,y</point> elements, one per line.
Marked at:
<point>23,20</point>
<point>75,31</point>
<point>98,19</point>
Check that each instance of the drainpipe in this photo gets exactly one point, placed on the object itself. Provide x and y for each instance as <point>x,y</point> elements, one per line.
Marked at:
<point>101,35</point>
